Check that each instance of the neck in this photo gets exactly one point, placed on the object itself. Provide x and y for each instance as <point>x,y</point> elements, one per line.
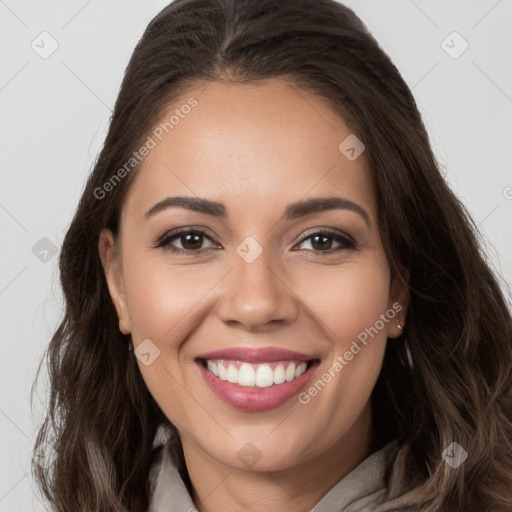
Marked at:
<point>218,487</point>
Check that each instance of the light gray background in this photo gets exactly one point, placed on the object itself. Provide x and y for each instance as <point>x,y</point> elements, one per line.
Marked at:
<point>54,114</point>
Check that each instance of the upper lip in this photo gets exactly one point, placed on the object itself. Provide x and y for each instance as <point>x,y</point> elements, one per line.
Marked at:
<point>256,355</point>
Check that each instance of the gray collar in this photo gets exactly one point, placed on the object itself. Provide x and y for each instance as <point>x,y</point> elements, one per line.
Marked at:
<point>382,476</point>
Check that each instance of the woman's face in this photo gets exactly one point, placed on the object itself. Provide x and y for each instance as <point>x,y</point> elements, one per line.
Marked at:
<point>283,254</point>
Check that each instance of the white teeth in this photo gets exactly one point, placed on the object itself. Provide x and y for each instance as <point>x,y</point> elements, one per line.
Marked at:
<point>300,370</point>
<point>232,374</point>
<point>212,368</point>
<point>246,375</point>
<point>264,376</point>
<point>290,372</point>
<point>279,375</point>
<point>259,375</point>
<point>222,371</point>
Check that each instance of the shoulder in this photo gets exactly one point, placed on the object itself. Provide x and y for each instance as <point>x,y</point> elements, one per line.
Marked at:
<point>383,482</point>
<point>155,468</point>
<point>403,480</point>
<point>167,491</point>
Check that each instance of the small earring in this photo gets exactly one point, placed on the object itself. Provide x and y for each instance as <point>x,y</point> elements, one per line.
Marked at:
<point>398,324</point>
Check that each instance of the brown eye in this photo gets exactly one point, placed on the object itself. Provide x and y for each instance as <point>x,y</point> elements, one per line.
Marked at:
<point>323,242</point>
<point>191,241</point>
<point>187,242</point>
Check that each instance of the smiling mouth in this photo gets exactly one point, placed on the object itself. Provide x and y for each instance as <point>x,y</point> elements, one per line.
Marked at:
<point>256,375</point>
<point>256,379</point>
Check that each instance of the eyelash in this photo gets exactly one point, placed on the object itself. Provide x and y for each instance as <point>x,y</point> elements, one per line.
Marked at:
<point>347,242</point>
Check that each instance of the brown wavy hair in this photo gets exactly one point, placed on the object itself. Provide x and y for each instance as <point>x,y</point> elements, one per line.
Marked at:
<point>101,419</point>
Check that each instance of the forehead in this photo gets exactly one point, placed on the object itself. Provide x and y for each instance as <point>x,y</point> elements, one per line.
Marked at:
<point>267,143</point>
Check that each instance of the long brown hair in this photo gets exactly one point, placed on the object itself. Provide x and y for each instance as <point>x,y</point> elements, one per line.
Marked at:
<point>101,418</point>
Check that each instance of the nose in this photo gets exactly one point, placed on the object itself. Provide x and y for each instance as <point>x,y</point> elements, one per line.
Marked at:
<point>256,295</point>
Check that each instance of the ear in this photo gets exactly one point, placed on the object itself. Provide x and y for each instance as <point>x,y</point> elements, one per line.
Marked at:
<point>111,262</point>
<point>398,302</point>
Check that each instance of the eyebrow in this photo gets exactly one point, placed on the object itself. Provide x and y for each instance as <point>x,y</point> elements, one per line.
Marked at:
<point>293,211</point>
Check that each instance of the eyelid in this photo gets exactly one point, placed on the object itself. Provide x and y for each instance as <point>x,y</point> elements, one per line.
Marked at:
<point>327,231</point>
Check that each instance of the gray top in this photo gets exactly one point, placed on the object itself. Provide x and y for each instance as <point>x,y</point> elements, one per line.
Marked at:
<point>381,476</point>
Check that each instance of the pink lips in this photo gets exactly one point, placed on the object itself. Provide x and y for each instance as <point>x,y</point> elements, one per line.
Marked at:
<point>256,355</point>
<point>253,399</point>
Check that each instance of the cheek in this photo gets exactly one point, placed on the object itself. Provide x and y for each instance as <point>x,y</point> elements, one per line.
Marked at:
<point>351,311</point>
<point>161,297</point>
<point>348,300</point>
<point>157,313</point>
<point>166,303</point>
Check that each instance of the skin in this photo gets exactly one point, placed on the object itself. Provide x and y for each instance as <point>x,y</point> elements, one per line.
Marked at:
<point>256,149</point>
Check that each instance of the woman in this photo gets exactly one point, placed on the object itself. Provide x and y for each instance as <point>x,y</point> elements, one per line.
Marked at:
<point>267,267</point>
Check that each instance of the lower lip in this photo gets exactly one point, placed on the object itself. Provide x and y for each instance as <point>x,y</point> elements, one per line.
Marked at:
<point>253,399</point>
